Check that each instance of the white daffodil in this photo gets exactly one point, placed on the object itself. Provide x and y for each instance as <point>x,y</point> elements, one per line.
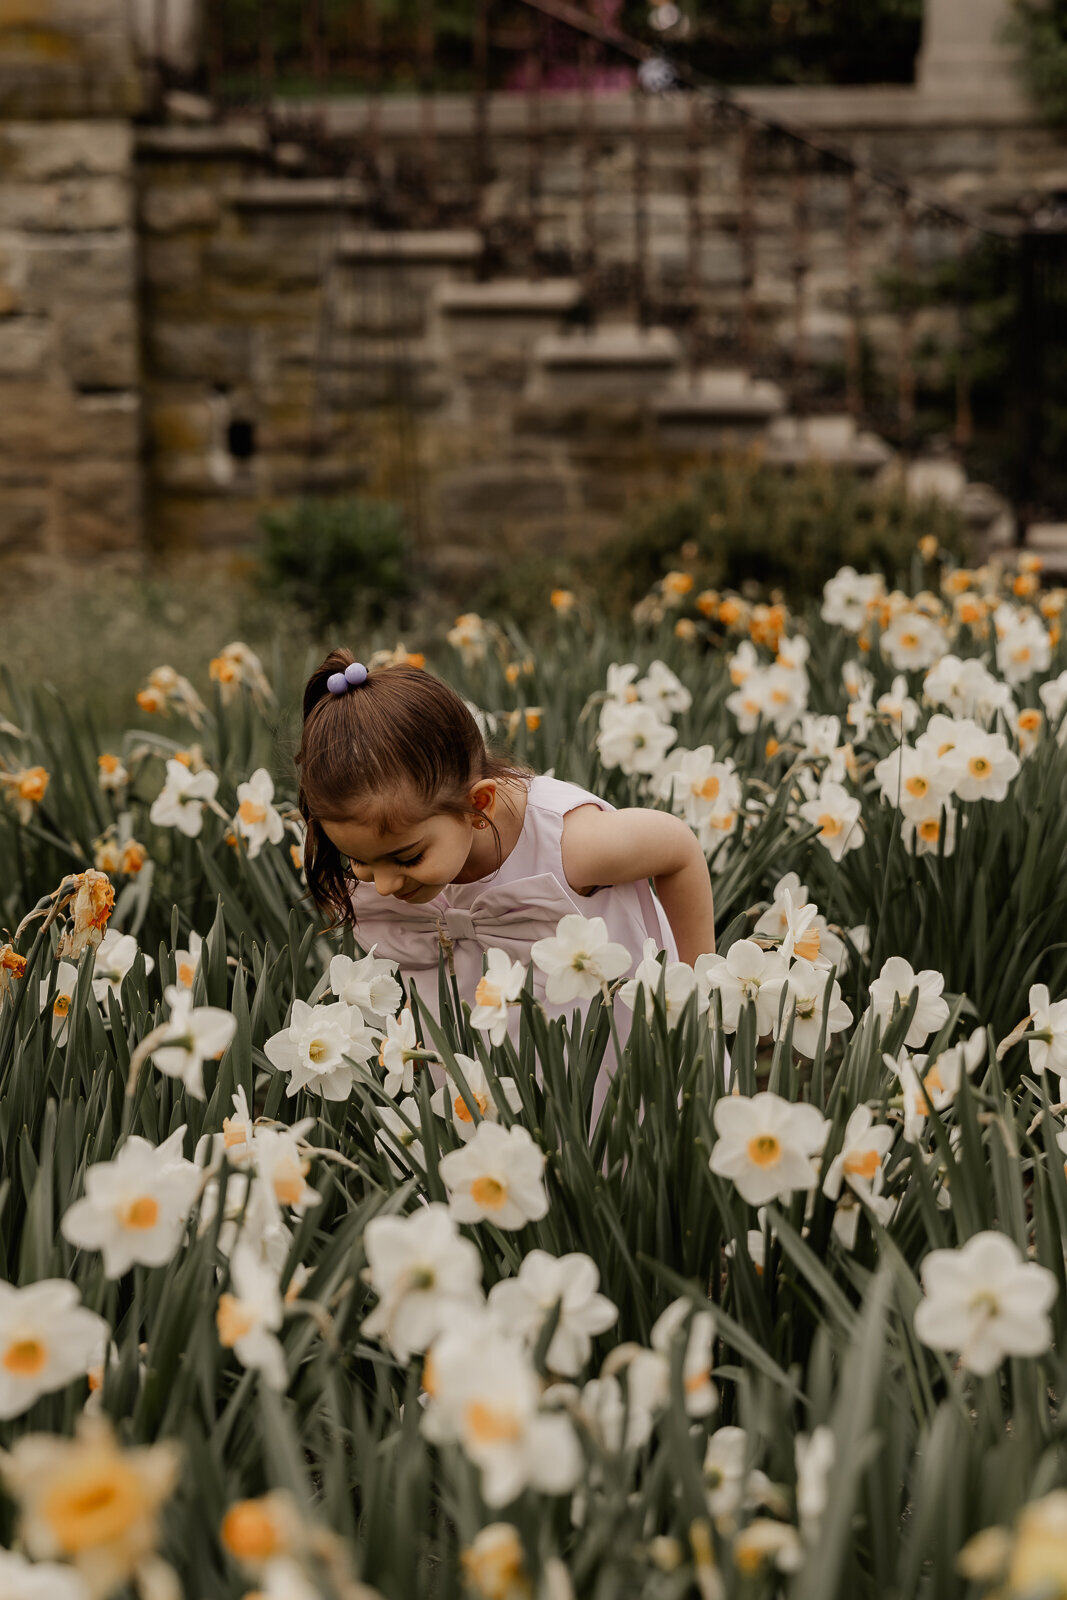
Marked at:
<point>422,1269</point>
<point>470,637</point>
<point>463,1117</point>
<point>578,958</point>
<point>793,652</point>
<point>250,1314</point>
<point>801,937</point>
<point>621,686</point>
<point>180,803</point>
<point>741,664</point>
<point>256,820</point>
<point>706,792</point>
<point>187,962</point>
<point>135,1206</point>
<point>917,782</point>
<point>848,597</point>
<point>898,707</point>
<point>765,1145</point>
<point>663,691</point>
<point>250,1217</point>
<point>112,776</point>
<point>836,814</point>
<point>679,983</point>
<point>814,1455</point>
<point>319,1048</point>
<point>625,1420</point>
<point>398,1139</point>
<point>399,1053</point>
<point>115,955</point>
<point>1047,1054</point>
<point>282,1164</point>
<point>1023,645</point>
<point>497,1177</point>
<point>494,1565</point>
<point>47,1338</point>
<point>1027,724</point>
<point>966,687</point>
<point>924,1082</point>
<point>911,641</point>
<point>895,985</point>
<point>778,695</point>
<point>499,987</point>
<point>194,1034</point>
<point>66,983</point>
<point>810,1008</point>
<point>725,1471</point>
<point>632,738</point>
<point>701,1395</point>
<point>745,975</point>
<point>819,737</point>
<point>859,715</point>
<point>773,923</point>
<point>487,1398</point>
<point>984,1301</point>
<point>858,1163</point>
<point>235,1140</point>
<point>39,1580</point>
<point>765,1542</point>
<point>941,737</point>
<point>1053,696</point>
<point>523,1304</point>
<point>985,764</point>
<point>931,833</point>
<point>370,984</point>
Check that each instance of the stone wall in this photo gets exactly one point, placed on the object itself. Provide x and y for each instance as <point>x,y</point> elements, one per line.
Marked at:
<point>70,407</point>
<point>394,330</point>
<point>201,320</point>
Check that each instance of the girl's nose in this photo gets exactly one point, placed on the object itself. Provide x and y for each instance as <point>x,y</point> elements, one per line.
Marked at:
<point>387,880</point>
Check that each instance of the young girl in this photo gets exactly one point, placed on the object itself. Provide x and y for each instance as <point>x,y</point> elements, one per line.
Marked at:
<point>423,839</point>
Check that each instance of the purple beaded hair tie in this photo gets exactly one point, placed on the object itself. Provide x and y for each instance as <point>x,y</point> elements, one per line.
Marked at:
<point>352,677</point>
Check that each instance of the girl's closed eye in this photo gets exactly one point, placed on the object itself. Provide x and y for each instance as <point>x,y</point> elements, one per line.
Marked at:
<point>411,860</point>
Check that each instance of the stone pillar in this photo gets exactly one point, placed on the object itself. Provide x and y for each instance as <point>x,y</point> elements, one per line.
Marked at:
<point>965,54</point>
<point>70,432</point>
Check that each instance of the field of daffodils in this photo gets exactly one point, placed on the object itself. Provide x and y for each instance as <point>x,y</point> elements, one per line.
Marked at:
<point>306,1296</point>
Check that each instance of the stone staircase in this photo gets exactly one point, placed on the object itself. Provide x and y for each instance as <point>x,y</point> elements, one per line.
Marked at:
<point>353,354</point>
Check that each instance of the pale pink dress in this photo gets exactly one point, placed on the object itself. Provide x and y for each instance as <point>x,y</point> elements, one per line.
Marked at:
<point>511,908</point>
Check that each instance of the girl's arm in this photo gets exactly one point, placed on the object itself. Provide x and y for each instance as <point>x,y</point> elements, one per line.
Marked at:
<point>606,847</point>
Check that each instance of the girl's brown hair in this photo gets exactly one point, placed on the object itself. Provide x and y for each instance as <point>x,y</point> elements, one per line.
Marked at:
<point>401,747</point>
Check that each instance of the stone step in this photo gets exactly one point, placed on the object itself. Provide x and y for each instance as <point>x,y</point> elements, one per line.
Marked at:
<point>438,247</point>
<point>714,407</point>
<point>620,361</point>
<point>835,440</point>
<point>298,194</point>
<point>485,324</point>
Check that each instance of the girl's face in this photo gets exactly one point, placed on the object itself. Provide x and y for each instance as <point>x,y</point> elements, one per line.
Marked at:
<point>414,864</point>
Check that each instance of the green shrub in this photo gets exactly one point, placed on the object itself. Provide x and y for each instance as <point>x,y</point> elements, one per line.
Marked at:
<point>755,524</point>
<point>337,559</point>
<point>736,524</point>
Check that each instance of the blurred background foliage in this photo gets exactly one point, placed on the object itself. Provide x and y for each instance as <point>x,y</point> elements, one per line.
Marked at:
<point>324,571</point>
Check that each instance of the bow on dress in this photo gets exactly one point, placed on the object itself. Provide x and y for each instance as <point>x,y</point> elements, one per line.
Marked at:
<point>510,917</point>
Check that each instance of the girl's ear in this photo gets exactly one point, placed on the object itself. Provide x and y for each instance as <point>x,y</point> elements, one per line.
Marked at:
<point>483,796</point>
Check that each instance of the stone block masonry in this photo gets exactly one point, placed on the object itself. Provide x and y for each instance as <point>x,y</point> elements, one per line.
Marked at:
<point>364,332</point>
<point>71,476</point>
<point>198,322</point>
